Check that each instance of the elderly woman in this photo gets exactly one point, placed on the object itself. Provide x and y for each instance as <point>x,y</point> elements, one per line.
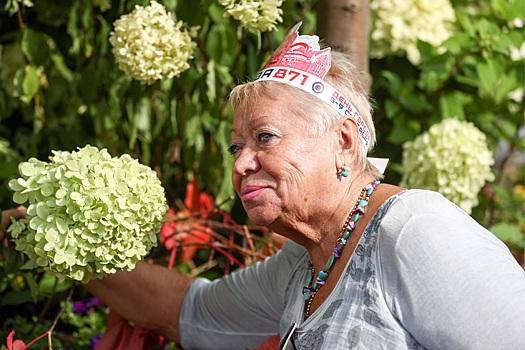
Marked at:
<point>368,265</point>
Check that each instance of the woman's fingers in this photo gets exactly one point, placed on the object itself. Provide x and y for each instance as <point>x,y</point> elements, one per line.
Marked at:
<point>17,213</point>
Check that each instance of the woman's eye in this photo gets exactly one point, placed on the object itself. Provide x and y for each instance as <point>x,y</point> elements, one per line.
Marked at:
<point>233,149</point>
<point>264,137</point>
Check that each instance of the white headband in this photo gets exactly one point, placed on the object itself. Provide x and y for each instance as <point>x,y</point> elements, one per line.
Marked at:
<point>300,62</point>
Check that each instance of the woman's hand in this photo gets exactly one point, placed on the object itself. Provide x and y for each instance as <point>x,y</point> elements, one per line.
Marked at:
<point>17,213</point>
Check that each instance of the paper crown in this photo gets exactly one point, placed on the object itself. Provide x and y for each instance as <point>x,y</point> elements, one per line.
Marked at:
<point>300,62</point>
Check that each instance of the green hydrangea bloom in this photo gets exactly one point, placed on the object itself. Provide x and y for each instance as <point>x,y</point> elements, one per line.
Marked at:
<point>451,158</point>
<point>89,214</point>
<point>148,45</point>
<point>262,15</point>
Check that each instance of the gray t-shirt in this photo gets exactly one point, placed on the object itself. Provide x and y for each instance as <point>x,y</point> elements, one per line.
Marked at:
<point>424,275</point>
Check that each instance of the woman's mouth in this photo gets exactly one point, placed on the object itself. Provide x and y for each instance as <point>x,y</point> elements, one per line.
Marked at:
<point>250,192</point>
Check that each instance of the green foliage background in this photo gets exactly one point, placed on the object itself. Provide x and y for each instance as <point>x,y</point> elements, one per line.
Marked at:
<point>60,88</point>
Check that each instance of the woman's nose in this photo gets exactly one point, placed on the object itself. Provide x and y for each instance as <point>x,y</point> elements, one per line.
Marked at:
<point>247,162</point>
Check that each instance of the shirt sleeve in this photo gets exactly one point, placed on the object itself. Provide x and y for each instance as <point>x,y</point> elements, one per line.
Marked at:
<point>451,283</point>
<point>240,310</point>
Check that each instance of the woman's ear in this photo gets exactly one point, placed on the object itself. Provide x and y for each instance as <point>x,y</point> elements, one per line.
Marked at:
<point>348,139</point>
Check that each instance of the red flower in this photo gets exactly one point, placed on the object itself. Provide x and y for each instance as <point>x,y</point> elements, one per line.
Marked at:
<point>187,232</point>
<point>121,335</point>
<point>14,345</point>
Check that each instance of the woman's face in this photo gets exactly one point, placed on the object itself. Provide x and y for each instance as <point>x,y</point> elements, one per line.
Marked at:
<point>281,174</point>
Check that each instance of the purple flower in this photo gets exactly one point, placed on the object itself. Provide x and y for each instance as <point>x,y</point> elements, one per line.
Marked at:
<point>82,306</point>
<point>79,306</point>
<point>91,301</point>
<point>94,341</point>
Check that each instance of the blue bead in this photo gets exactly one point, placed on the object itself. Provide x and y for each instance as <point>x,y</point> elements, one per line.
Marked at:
<point>363,203</point>
<point>322,275</point>
<point>356,217</point>
<point>369,192</point>
<point>343,241</point>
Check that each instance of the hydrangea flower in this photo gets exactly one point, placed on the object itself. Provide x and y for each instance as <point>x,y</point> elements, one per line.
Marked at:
<point>396,26</point>
<point>262,15</point>
<point>89,214</point>
<point>452,158</point>
<point>149,45</point>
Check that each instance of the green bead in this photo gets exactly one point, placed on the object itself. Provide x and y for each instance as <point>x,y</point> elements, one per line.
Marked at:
<point>344,173</point>
<point>309,278</point>
<point>307,296</point>
<point>347,234</point>
<point>329,262</point>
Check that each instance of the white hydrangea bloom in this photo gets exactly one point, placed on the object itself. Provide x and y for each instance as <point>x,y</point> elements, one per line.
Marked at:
<point>89,214</point>
<point>452,158</point>
<point>262,15</point>
<point>149,45</point>
<point>396,26</point>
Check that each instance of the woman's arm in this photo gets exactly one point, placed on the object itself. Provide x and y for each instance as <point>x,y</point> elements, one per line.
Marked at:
<point>150,296</point>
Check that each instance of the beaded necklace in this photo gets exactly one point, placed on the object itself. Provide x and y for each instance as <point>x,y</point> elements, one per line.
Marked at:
<point>348,227</point>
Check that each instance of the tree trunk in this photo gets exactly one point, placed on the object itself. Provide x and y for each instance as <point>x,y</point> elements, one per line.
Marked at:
<point>344,24</point>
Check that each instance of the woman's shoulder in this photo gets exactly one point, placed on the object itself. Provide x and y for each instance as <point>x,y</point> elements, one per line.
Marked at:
<point>417,222</point>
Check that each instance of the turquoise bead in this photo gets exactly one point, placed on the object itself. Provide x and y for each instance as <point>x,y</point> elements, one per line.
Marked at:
<point>307,296</point>
<point>309,278</point>
<point>322,275</point>
<point>329,262</point>
<point>343,241</point>
<point>369,192</point>
<point>363,203</point>
<point>344,173</point>
<point>356,217</point>
<point>347,234</point>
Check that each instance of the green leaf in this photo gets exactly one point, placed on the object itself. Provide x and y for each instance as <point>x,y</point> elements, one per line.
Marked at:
<point>509,233</point>
<point>8,169</point>
<point>489,73</point>
<point>33,286</point>
<point>486,28</point>
<point>29,265</point>
<point>47,282</point>
<point>404,130</point>
<point>453,104</point>
<point>61,67</point>
<point>30,84</point>
<point>508,129</point>
<point>211,91</point>
<point>34,47</point>
<point>457,43</point>
<point>90,82</point>
<point>17,297</point>
<point>392,108</point>
<point>464,21</point>
<point>394,82</point>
